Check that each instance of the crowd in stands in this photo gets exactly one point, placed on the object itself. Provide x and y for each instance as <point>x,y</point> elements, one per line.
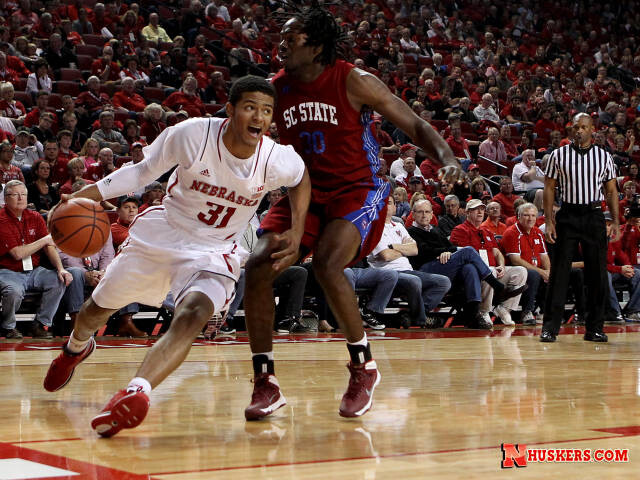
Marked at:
<point>85,85</point>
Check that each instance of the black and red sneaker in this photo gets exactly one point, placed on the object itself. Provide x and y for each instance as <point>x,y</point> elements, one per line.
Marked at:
<point>266,397</point>
<point>62,368</point>
<point>124,410</point>
<point>358,398</point>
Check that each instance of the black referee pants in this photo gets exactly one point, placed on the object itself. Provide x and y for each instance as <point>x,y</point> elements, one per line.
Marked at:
<point>584,225</point>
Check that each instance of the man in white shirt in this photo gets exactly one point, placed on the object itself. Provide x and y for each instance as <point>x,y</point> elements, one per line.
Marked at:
<point>527,176</point>
<point>423,291</point>
<point>485,110</point>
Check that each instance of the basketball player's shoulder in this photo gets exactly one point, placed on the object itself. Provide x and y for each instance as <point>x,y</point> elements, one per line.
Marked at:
<point>198,124</point>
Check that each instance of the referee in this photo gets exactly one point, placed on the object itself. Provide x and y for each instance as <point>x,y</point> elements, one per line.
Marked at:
<point>583,173</point>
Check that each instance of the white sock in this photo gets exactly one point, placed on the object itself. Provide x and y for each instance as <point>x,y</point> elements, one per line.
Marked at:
<point>268,354</point>
<point>76,346</point>
<point>139,384</point>
<point>362,342</point>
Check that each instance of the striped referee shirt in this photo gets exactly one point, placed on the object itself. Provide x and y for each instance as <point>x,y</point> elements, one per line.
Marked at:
<point>580,173</point>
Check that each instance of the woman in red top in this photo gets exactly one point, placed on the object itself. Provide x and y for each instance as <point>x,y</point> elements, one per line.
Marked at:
<point>9,107</point>
<point>153,123</point>
<point>633,175</point>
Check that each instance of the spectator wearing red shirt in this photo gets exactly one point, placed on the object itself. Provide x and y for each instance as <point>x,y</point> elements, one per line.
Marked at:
<point>458,144</point>
<point>186,99</point>
<point>510,147</point>
<point>545,125</point>
<point>9,107</point>
<point>64,143</point>
<point>22,238</point>
<point>472,234</point>
<point>192,68</point>
<point>8,171</point>
<point>92,101</point>
<point>42,105</point>
<point>153,194</point>
<point>127,100</point>
<point>103,167</point>
<point>621,272</point>
<point>493,223</point>
<point>127,210</point>
<point>524,246</point>
<point>59,172</point>
<point>506,197</point>
<point>153,123</point>
<point>104,67</point>
<point>199,49</point>
<point>76,169</point>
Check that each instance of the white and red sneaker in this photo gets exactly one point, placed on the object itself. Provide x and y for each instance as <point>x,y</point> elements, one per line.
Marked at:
<point>124,410</point>
<point>62,368</point>
<point>266,397</point>
<point>358,398</point>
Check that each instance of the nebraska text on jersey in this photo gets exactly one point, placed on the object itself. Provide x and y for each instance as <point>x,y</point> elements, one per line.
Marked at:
<point>223,192</point>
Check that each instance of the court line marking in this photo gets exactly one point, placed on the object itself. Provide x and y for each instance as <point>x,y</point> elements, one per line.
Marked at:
<point>630,432</point>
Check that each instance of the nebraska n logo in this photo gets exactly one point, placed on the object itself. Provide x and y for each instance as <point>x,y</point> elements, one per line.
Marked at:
<point>205,172</point>
<point>513,454</point>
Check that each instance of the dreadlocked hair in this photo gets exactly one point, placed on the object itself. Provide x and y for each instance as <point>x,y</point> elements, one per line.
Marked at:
<point>321,29</point>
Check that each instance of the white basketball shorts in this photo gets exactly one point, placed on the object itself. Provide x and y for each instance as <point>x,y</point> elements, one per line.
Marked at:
<point>156,259</point>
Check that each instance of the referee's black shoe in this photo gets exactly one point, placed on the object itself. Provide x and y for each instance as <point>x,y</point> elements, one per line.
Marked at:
<point>596,337</point>
<point>547,337</point>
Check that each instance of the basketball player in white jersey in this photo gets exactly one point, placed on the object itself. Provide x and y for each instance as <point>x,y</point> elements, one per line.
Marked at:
<point>188,244</point>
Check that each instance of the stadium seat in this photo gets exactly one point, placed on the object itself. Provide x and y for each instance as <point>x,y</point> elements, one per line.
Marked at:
<point>67,88</point>
<point>21,84</point>
<point>92,50</point>
<point>154,93</point>
<point>70,74</point>
<point>23,97</point>
<point>425,62</point>
<point>55,100</point>
<point>85,61</point>
<point>97,40</point>
<point>212,108</point>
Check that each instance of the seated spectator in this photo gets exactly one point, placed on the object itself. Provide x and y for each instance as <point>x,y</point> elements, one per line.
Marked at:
<point>380,283</point>
<point>186,99</point>
<point>103,167</point>
<point>59,56</point>
<point>526,176</point>
<point>108,137</point>
<point>39,79</point>
<point>510,146</point>
<point>41,195</point>
<point>515,113</point>
<point>628,191</point>
<point>402,202</point>
<point>9,106</point>
<point>126,99</point>
<point>8,171</point>
<point>477,190</point>
<point>70,122</point>
<point>154,32</point>
<point>153,123</point>
<point>525,246</point>
<point>622,155</point>
<point>153,195</point>
<point>452,217</point>
<point>23,238</point>
<point>437,255</point>
<point>472,234</point>
<point>485,111</point>
<point>622,273</point>
<point>493,223</point>
<point>89,152</point>
<point>165,75</point>
<point>506,197</point>
<point>545,125</point>
<point>105,68</point>
<point>26,153</point>
<point>409,172</point>
<point>91,102</point>
<point>77,171</point>
<point>493,148</point>
<point>459,145</point>
<point>130,69</point>
<point>42,105</point>
<point>397,166</point>
<point>131,132</point>
<point>82,25</point>
<point>632,176</point>
<point>7,74</point>
<point>423,291</point>
<point>43,129</point>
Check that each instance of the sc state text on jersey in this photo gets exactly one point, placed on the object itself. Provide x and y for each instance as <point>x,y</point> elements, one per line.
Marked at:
<point>310,112</point>
<point>222,192</point>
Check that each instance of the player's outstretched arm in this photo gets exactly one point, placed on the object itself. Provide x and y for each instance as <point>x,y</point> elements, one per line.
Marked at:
<point>366,89</point>
<point>299,198</point>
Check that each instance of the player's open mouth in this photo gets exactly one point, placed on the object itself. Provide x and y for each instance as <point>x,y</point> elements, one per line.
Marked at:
<point>254,131</point>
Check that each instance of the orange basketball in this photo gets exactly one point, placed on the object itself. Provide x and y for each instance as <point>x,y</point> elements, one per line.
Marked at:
<point>79,227</point>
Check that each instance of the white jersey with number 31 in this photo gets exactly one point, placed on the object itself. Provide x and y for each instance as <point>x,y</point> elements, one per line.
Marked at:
<point>212,194</point>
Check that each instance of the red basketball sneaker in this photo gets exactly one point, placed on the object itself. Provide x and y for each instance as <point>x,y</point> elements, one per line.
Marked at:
<point>358,398</point>
<point>61,369</point>
<point>124,410</point>
<point>266,397</point>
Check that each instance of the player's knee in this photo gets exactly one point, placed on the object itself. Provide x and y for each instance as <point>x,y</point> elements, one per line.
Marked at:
<point>327,268</point>
<point>193,314</point>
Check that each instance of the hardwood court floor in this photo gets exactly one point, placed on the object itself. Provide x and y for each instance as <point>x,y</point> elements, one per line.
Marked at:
<point>447,401</point>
